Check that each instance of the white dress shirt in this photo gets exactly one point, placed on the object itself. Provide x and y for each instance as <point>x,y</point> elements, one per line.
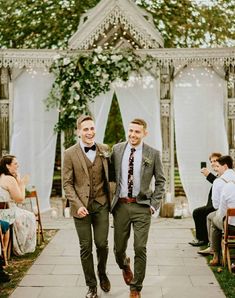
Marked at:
<point>136,173</point>
<point>91,154</point>
<point>218,186</point>
<point>227,201</point>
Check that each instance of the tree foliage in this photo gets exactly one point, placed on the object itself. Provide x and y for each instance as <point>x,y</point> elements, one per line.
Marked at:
<point>185,23</point>
<point>114,132</point>
<point>50,23</point>
<point>40,23</point>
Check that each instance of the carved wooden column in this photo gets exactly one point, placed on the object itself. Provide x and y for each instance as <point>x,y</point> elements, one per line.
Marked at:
<point>167,127</point>
<point>4,111</point>
<point>230,109</point>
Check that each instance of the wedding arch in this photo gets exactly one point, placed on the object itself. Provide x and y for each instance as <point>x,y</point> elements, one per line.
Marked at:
<point>187,95</point>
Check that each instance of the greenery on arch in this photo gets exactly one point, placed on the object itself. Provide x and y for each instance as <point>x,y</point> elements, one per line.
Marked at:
<point>78,80</point>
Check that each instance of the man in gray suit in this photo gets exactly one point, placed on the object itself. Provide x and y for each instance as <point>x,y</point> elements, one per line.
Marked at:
<point>85,179</point>
<point>133,165</point>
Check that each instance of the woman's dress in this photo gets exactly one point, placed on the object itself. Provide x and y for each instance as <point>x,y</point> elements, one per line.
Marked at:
<point>24,225</point>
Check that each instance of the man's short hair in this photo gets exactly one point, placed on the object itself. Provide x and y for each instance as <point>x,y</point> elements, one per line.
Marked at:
<point>226,160</point>
<point>140,121</point>
<point>83,118</point>
<point>215,154</point>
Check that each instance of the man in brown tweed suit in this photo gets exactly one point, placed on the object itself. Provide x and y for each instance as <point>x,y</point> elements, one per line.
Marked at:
<point>85,179</point>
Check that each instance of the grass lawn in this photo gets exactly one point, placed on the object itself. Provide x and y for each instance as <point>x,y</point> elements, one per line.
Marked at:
<point>18,266</point>
<point>225,279</point>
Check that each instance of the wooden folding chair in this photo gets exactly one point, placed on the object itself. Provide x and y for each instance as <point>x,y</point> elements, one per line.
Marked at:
<point>32,195</point>
<point>228,240</point>
<point>3,247</point>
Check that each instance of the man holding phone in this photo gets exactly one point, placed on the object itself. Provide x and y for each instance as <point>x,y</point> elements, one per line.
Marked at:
<point>200,214</point>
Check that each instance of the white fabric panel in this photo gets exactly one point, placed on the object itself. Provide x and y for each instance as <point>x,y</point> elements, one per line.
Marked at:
<point>139,98</point>
<point>100,111</point>
<point>199,127</point>
<point>33,138</point>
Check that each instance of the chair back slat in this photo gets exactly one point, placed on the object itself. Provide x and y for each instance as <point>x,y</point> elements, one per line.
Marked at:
<point>231,212</point>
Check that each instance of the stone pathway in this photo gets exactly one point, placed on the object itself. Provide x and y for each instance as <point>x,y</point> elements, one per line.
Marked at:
<point>174,268</point>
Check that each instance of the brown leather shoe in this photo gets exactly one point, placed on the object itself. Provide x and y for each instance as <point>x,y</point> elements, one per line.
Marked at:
<point>135,294</point>
<point>127,273</point>
<point>92,292</point>
<point>104,283</point>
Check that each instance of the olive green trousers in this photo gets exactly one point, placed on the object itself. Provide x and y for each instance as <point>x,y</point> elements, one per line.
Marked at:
<point>139,217</point>
<point>96,225</point>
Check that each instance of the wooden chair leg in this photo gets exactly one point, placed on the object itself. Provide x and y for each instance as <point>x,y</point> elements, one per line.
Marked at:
<point>41,232</point>
<point>229,261</point>
<point>40,236</point>
<point>224,255</point>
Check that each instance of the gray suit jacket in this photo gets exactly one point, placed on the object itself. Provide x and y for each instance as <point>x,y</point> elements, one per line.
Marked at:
<point>76,179</point>
<point>151,167</point>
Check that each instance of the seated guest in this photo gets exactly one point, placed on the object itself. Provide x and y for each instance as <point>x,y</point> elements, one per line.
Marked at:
<point>4,277</point>
<point>200,214</point>
<point>225,173</point>
<point>12,191</point>
<point>227,201</point>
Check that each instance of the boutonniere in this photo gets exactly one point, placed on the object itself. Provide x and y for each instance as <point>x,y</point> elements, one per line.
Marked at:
<point>147,162</point>
<point>105,154</point>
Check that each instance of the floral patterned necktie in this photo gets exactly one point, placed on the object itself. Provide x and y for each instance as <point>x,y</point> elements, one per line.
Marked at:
<point>130,173</point>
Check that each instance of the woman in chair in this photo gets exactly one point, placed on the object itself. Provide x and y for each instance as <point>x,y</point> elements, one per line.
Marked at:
<point>12,191</point>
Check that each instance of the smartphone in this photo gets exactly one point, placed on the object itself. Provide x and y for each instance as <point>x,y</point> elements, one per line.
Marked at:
<point>203,164</point>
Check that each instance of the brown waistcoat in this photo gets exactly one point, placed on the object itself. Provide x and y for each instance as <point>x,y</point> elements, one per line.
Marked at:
<point>98,184</point>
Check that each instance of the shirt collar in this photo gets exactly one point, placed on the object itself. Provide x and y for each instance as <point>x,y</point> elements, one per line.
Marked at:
<point>84,145</point>
<point>137,148</point>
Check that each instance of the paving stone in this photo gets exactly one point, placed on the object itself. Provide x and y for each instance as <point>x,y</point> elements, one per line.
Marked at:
<point>192,292</point>
<point>67,269</point>
<point>47,260</point>
<point>40,269</point>
<point>26,292</point>
<point>203,280</point>
<point>67,292</point>
<point>49,280</point>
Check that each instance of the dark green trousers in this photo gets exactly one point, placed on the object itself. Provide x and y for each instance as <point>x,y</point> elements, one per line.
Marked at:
<point>98,221</point>
<point>139,217</point>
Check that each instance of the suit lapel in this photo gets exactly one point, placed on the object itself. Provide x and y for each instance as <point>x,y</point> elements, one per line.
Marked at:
<point>100,150</point>
<point>119,157</point>
<point>81,157</point>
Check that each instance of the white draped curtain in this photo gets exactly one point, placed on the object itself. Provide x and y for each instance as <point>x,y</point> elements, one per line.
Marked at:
<point>199,127</point>
<point>99,108</point>
<point>138,98</point>
<point>33,138</point>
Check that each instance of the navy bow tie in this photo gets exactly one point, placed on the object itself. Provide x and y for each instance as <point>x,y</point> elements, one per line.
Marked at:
<point>93,147</point>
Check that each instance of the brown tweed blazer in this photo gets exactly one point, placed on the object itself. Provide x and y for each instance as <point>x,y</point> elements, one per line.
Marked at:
<point>76,179</point>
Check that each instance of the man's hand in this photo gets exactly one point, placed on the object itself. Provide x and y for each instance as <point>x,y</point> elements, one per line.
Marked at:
<point>152,210</point>
<point>82,212</point>
<point>205,172</point>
